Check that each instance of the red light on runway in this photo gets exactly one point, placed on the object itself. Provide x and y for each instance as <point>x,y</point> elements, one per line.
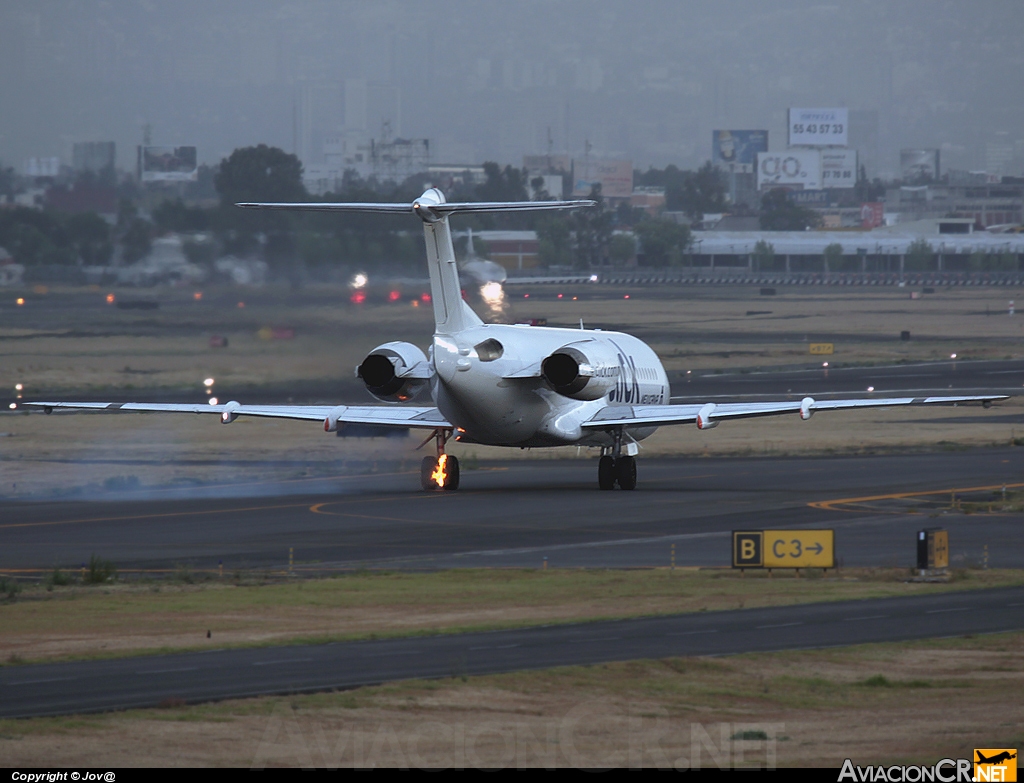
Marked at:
<point>394,296</point>
<point>358,297</point>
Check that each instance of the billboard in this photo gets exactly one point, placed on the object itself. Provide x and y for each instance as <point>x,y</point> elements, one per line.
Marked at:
<point>806,198</point>
<point>614,176</point>
<point>916,165</point>
<point>168,164</point>
<point>818,127</point>
<point>838,168</point>
<point>872,214</point>
<point>793,168</point>
<point>736,151</point>
<point>42,167</point>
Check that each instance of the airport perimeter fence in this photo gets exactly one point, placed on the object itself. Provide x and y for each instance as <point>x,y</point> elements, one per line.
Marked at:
<point>725,277</point>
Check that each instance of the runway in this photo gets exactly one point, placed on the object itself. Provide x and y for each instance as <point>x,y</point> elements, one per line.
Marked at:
<point>92,686</point>
<point>523,513</point>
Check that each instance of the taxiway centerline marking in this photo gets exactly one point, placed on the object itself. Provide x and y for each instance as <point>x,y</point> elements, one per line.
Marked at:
<point>830,505</point>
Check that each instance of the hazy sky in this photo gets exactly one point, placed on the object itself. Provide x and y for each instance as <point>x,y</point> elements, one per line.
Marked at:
<point>491,80</point>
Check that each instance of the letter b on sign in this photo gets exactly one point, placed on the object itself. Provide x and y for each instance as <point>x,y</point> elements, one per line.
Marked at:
<point>747,548</point>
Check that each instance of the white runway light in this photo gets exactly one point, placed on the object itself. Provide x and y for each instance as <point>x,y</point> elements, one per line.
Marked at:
<point>213,401</point>
<point>208,382</point>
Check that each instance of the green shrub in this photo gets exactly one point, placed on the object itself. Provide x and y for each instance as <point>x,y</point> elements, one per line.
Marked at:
<point>99,571</point>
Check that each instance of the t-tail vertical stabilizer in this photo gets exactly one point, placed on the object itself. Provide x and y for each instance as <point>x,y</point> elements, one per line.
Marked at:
<point>451,313</point>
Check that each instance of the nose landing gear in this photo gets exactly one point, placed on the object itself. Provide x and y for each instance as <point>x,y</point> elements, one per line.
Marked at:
<point>440,473</point>
<point>615,467</point>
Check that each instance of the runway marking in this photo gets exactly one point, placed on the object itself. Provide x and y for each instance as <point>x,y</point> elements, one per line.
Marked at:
<point>38,682</point>
<point>778,625</point>
<point>690,633</point>
<point>598,639</point>
<point>830,505</point>
<point>152,516</point>
<point>955,609</point>
<point>275,663</point>
<point>869,617</point>
<point>168,671</point>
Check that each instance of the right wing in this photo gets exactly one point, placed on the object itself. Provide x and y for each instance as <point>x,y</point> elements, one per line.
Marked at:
<point>710,414</point>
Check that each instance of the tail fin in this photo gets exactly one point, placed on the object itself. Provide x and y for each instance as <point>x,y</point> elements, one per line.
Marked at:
<point>451,313</point>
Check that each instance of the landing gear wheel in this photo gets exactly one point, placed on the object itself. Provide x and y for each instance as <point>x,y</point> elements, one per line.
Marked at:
<point>625,472</point>
<point>427,468</point>
<point>452,469</point>
<point>433,479</point>
<point>606,472</point>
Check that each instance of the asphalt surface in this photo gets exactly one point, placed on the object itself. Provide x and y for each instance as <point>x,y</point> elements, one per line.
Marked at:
<point>519,513</point>
<point>92,686</point>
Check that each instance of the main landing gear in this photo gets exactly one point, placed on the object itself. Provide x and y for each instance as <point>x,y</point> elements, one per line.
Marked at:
<point>440,472</point>
<point>615,467</point>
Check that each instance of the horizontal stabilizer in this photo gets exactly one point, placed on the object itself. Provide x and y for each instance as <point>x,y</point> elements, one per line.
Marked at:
<point>429,212</point>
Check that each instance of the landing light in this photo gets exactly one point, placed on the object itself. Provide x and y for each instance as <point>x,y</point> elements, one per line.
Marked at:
<point>13,406</point>
<point>213,401</point>
<point>871,388</point>
<point>18,387</point>
<point>593,278</point>
<point>824,364</point>
<point>359,281</point>
<point>952,356</point>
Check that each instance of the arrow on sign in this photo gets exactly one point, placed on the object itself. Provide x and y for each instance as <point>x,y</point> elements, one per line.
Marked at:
<point>817,549</point>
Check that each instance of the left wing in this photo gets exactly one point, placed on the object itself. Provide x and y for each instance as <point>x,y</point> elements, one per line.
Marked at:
<point>711,414</point>
<point>330,415</point>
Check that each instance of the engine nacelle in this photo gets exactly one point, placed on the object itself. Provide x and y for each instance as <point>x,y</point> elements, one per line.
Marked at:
<point>395,372</point>
<point>583,371</point>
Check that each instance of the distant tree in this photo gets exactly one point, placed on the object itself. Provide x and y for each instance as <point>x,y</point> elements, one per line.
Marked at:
<point>259,173</point>
<point>833,256</point>
<point>919,255</point>
<point>554,240</point>
<point>692,192</point>
<point>621,248</point>
<point>663,241</point>
<point>136,240</point>
<point>778,213</point>
<point>593,231</point>
<point>174,215</point>
<point>764,254</point>
<point>91,237</point>
<point>508,184</point>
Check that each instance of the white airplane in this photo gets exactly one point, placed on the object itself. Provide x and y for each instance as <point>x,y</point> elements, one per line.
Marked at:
<point>511,385</point>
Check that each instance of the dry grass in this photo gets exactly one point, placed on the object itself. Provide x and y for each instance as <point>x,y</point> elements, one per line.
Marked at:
<point>131,619</point>
<point>942,698</point>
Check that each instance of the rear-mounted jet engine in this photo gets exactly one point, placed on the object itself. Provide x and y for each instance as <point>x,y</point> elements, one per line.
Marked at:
<point>395,372</point>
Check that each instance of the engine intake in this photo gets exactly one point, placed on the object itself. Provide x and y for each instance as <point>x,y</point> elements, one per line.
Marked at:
<point>395,372</point>
<point>582,375</point>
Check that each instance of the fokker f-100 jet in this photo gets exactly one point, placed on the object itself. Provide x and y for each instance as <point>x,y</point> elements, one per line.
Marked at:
<point>511,385</point>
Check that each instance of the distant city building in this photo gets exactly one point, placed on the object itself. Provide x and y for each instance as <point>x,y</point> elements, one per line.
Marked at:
<point>95,156</point>
<point>650,199</point>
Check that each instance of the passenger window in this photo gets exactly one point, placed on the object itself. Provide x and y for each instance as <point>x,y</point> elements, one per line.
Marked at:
<point>489,350</point>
